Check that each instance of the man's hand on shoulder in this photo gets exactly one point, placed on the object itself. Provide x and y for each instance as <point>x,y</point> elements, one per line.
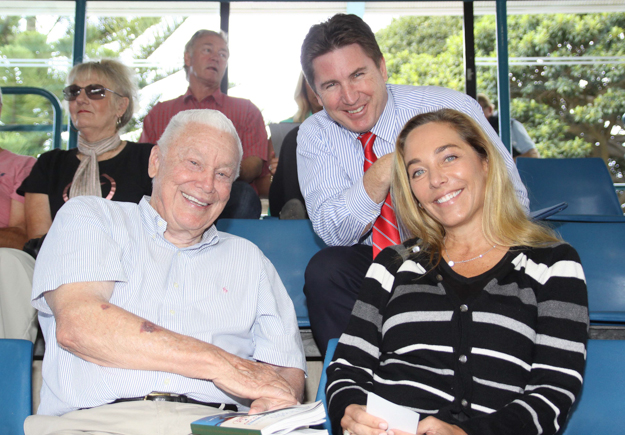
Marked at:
<point>377,179</point>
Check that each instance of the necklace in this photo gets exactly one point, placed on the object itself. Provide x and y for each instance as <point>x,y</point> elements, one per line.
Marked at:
<point>453,263</point>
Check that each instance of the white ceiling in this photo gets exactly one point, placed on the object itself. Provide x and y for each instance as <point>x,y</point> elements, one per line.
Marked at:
<point>181,8</point>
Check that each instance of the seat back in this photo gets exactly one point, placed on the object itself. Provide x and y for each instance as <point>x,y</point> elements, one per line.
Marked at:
<point>16,361</point>
<point>321,391</point>
<point>288,244</point>
<point>602,251</point>
<point>599,408</point>
<point>584,184</point>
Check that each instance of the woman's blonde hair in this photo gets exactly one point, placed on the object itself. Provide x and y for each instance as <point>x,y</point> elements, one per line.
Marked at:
<point>119,77</point>
<point>504,221</point>
<point>304,108</point>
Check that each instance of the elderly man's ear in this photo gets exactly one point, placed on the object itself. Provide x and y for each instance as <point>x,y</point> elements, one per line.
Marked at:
<point>155,161</point>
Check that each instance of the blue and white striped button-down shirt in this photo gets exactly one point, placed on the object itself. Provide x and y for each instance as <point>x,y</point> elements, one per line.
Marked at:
<point>330,160</point>
<point>222,290</point>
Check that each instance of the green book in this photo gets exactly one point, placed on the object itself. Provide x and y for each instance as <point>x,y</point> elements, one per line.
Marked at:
<point>278,422</point>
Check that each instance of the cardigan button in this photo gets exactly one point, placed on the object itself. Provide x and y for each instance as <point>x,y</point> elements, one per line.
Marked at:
<point>464,403</point>
<point>439,278</point>
<point>464,308</point>
<point>463,359</point>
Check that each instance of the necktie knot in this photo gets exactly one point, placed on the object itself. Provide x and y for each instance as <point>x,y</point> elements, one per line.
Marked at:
<point>367,139</point>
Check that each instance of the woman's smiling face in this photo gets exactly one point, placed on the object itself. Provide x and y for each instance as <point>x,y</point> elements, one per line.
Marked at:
<point>447,176</point>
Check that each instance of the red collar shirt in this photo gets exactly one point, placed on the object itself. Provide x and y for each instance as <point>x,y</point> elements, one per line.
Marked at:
<point>247,120</point>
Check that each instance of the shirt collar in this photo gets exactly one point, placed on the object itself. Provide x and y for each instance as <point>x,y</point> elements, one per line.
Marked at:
<point>156,226</point>
<point>217,96</point>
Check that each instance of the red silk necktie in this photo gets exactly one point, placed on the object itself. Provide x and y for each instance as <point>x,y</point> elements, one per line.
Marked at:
<point>385,232</point>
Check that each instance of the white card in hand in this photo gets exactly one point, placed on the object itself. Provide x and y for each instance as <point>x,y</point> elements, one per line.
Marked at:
<point>396,416</point>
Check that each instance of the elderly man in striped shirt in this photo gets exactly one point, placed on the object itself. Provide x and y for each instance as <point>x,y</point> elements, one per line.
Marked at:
<point>151,318</point>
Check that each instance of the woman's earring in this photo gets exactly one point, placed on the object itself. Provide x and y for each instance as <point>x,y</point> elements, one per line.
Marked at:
<point>420,206</point>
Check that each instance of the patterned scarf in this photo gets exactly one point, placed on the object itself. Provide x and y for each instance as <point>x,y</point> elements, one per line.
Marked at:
<point>87,177</point>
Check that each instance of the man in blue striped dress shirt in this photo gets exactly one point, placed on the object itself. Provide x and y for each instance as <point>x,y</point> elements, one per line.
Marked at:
<point>343,64</point>
<point>153,318</point>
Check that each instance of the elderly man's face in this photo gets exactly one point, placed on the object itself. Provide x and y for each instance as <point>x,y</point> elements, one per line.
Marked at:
<point>207,60</point>
<point>192,181</point>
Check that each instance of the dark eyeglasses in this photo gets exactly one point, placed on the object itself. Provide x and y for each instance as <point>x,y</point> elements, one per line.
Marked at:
<point>93,92</point>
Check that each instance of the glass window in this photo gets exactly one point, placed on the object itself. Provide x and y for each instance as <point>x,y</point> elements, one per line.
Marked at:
<point>150,37</point>
<point>35,50</point>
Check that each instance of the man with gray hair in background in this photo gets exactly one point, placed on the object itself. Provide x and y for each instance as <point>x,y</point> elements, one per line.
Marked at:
<point>205,61</point>
<point>151,318</point>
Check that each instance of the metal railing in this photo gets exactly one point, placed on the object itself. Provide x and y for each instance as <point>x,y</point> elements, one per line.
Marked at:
<point>57,119</point>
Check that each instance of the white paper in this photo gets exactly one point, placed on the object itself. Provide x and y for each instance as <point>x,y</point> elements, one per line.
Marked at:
<point>396,416</point>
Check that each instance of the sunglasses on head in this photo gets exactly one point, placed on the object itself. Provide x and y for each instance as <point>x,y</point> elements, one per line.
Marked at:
<point>93,92</point>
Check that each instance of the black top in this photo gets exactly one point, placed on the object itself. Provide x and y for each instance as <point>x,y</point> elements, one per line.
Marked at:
<point>468,288</point>
<point>285,184</point>
<point>123,177</point>
<point>507,360</point>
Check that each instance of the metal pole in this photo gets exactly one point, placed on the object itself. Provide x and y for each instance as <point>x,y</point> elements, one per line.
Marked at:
<point>503,82</point>
<point>470,73</point>
<point>224,12</point>
<point>80,36</point>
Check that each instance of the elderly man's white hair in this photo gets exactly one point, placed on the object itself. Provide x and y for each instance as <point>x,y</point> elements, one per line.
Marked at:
<point>210,118</point>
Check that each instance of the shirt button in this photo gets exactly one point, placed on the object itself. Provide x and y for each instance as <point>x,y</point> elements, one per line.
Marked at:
<point>464,308</point>
<point>175,285</point>
<point>172,312</point>
<point>439,278</point>
<point>166,382</point>
<point>464,403</point>
<point>179,254</point>
<point>462,359</point>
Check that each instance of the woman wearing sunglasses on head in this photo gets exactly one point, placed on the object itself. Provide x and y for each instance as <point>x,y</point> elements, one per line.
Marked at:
<point>100,96</point>
<point>479,320</point>
<point>100,99</point>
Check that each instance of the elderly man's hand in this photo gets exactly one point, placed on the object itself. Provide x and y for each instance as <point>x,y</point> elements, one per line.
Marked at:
<point>252,380</point>
<point>265,404</point>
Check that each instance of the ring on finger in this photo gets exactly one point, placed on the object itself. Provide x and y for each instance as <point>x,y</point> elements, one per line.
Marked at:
<point>347,432</point>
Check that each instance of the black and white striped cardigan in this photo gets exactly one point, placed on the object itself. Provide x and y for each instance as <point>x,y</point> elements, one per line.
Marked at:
<point>509,361</point>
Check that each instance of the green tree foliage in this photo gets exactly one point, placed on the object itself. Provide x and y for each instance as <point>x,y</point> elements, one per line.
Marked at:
<point>569,110</point>
<point>107,37</point>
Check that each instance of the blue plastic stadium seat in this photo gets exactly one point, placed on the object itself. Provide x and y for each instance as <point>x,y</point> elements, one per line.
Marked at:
<point>600,409</point>
<point>321,391</point>
<point>16,361</point>
<point>289,245</point>
<point>584,184</point>
<point>599,243</point>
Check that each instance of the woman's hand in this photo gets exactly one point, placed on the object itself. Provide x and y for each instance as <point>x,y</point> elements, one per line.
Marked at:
<point>427,426</point>
<point>434,426</point>
<point>357,421</point>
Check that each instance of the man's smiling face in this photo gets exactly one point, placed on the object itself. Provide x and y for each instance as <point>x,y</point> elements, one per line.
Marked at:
<point>351,87</point>
<point>192,180</point>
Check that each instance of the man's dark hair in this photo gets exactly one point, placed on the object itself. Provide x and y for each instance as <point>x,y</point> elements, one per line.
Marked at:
<point>339,31</point>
